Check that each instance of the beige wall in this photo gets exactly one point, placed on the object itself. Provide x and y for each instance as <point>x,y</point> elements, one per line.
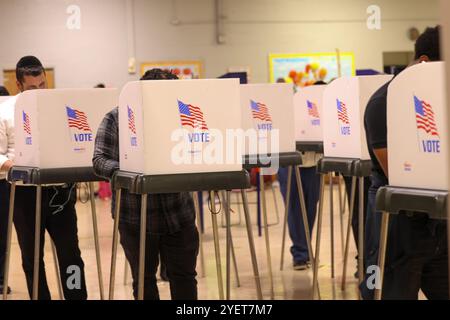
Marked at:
<point>252,30</point>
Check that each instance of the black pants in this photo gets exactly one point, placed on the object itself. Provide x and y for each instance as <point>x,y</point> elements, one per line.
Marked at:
<point>4,208</point>
<point>416,255</point>
<point>62,228</point>
<point>179,252</point>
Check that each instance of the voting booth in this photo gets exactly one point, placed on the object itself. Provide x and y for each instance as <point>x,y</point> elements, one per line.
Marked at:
<point>344,102</point>
<point>417,149</point>
<point>268,120</point>
<point>56,128</point>
<point>174,127</point>
<point>268,111</point>
<point>417,130</point>
<point>308,113</point>
<point>180,136</point>
<point>345,151</point>
<point>54,143</point>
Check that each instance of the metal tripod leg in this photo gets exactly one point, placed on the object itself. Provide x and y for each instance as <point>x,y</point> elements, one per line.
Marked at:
<point>286,212</point>
<point>382,253</point>
<point>304,214</point>
<point>361,231</point>
<point>56,264</point>
<point>226,196</point>
<point>216,247</point>
<point>12,196</point>
<point>266,234</point>
<point>349,230</point>
<point>37,243</point>
<point>341,215</point>
<point>319,234</point>
<point>112,275</point>
<point>125,272</point>
<point>228,243</point>
<point>251,244</point>
<point>275,202</point>
<point>143,237</point>
<point>330,175</point>
<point>96,241</point>
<point>197,213</point>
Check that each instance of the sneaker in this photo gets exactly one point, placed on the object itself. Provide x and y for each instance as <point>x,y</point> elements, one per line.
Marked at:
<point>300,265</point>
<point>1,289</point>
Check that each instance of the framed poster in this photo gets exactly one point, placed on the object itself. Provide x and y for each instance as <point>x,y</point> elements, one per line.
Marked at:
<point>306,69</point>
<point>183,69</point>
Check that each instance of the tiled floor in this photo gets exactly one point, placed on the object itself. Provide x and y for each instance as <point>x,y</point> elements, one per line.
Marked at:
<point>288,284</point>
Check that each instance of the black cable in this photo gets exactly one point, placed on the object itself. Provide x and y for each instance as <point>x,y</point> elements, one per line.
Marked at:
<point>211,203</point>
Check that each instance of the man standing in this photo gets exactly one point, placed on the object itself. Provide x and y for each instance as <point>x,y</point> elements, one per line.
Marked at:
<point>58,203</point>
<point>171,229</point>
<point>417,256</point>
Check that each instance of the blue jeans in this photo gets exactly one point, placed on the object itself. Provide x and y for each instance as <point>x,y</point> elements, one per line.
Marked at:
<point>416,255</point>
<point>311,188</point>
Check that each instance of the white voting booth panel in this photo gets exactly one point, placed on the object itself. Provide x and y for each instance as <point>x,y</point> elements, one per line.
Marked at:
<point>174,127</point>
<point>3,99</point>
<point>308,113</point>
<point>417,131</point>
<point>56,128</point>
<point>344,102</point>
<point>268,108</point>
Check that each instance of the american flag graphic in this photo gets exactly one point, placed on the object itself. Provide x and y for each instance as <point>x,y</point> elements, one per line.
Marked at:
<point>342,112</point>
<point>260,111</point>
<point>77,119</point>
<point>131,120</point>
<point>191,116</point>
<point>26,123</point>
<point>313,111</point>
<point>425,117</point>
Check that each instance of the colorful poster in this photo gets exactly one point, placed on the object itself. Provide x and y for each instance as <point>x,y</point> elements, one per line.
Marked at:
<point>306,69</point>
<point>183,69</point>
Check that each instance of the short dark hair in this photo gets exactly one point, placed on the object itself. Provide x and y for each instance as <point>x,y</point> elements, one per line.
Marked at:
<point>28,66</point>
<point>428,44</point>
<point>158,74</point>
<point>100,85</point>
<point>3,91</point>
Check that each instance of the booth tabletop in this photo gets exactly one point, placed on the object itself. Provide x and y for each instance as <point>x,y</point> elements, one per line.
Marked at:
<point>138,183</point>
<point>312,146</point>
<point>285,159</point>
<point>396,199</point>
<point>38,176</point>
<point>349,167</point>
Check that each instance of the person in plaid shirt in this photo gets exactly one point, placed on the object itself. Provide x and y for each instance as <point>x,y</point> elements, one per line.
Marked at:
<point>171,229</point>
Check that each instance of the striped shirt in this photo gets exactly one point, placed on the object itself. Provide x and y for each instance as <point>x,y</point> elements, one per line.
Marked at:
<point>166,213</point>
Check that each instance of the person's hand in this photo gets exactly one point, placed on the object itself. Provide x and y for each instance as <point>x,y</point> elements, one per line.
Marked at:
<point>6,166</point>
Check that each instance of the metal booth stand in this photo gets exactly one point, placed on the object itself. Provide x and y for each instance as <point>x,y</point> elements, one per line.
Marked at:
<point>143,185</point>
<point>357,169</point>
<point>41,178</point>
<point>392,200</point>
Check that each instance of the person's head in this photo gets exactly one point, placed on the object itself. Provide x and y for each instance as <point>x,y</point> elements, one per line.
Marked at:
<point>427,47</point>
<point>158,74</point>
<point>3,91</point>
<point>281,80</point>
<point>30,74</point>
<point>319,82</point>
<point>100,86</point>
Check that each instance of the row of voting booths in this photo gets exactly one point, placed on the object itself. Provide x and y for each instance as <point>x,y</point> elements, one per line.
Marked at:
<point>205,135</point>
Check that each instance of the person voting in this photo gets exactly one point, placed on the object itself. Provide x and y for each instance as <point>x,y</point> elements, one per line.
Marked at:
<point>58,203</point>
<point>417,255</point>
<point>173,233</point>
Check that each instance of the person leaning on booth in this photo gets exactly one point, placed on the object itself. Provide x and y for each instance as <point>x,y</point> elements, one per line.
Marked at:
<point>171,229</point>
<point>417,255</point>
<point>58,203</point>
